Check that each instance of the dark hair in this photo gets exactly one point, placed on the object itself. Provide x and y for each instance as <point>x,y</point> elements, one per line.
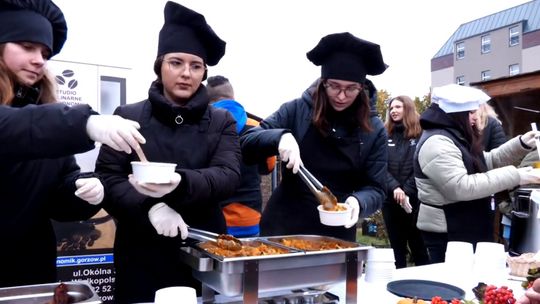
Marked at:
<point>472,136</point>
<point>217,80</point>
<point>157,67</point>
<point>321,109</point>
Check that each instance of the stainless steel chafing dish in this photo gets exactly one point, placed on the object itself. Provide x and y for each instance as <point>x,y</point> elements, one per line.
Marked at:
<point>78,291</point>
<point>295,269</point>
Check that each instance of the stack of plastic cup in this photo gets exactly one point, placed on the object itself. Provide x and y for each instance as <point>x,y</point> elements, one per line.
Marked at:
<point>459,261</point>
<point>459,256</point>
<point>176,295</point>
<point>380,265</point>
<point>490,262</point>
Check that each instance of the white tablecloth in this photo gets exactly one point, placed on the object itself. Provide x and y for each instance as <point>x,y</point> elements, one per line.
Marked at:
<point>377,293</point>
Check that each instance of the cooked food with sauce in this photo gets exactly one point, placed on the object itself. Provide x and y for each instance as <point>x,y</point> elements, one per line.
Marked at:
<point>337,207</point>
<point>311,245</point>
<point>60,295</point>
<point>247,250</point>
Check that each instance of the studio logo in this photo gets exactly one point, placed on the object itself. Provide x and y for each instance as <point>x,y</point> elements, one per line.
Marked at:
<point>67,88</point>
<point>66,74</point>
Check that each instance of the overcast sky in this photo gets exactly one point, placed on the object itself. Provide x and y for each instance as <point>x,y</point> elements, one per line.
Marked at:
<point>267,40</point>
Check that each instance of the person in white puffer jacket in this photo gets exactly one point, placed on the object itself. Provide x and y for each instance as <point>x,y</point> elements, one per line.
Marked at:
<point>455,177</point>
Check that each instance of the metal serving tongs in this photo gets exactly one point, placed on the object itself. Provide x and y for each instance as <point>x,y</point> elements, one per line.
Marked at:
<point>223,241</point>
<point>321,192</point>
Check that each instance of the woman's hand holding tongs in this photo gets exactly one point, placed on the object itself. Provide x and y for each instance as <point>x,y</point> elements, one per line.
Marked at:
<point>290,152</point>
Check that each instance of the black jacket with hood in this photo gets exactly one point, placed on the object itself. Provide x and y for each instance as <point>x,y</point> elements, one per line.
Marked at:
<point>207,153</point>
<point>37,184</point>
<point>348,164</point>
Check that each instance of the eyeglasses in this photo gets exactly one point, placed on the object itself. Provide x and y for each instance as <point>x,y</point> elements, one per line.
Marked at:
<point>335,90</point>
<point>179,66</point>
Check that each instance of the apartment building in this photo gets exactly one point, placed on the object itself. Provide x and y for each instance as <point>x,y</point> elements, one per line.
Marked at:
<point>502,44</point>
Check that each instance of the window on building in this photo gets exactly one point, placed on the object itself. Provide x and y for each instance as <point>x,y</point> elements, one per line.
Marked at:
<point>486,44</point>
<point>486,75</point>
<point>113,94</point>
<point>514,36</point>
<point>460,80</point>
<point>460,50</point>
<point>513,69</point>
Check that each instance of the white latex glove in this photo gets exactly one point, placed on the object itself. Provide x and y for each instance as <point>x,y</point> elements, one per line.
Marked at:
<point>155,190</point>
<point>406,205</point>
<point>290,152</point>
<point>114,131</point>
<point>90,190</point>
<point>529,138</point>
<point>353,203</point>
<point>528,175</point>
<point>166,221</point>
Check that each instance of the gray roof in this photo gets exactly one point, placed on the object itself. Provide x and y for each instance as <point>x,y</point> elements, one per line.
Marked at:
<point>528,12</point>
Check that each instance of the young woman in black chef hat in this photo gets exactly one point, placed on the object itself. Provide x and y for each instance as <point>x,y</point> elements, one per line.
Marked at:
<point>331,131</point>
<point>181,128</point>
<point>39,179</point>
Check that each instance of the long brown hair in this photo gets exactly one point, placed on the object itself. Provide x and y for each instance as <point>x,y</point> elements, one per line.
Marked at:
<point>321,108</point>
<point>411,118</point>
<point>472,136</point>
<point>8,81</point>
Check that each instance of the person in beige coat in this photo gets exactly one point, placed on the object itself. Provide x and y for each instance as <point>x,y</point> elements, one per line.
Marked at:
<point>455,177</point>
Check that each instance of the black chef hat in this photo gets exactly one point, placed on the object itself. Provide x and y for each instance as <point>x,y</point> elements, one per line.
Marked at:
<point>38,21</point>
<point>346,57</point>
<point>186,31</point>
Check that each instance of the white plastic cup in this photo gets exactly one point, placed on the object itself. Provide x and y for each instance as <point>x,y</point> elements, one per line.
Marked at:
<point>490,262</point>
<point>380,265</point>
<point>460,255</point>
<point>176,295</point>
<point>490,254</point>
<point>381,254</point>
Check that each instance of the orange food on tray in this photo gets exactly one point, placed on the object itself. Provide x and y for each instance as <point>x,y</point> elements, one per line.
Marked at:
<point>311,245</point>
<point>247,250</point>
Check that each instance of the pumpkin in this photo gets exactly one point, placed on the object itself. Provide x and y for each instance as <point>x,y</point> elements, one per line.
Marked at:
<point>411,301</point>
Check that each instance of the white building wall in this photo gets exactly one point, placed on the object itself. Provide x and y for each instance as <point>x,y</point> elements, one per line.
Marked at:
<point>442,77</point>
<point>531,59</point>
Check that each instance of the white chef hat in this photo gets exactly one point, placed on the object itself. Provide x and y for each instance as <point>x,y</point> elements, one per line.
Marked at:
<point>453,98</point>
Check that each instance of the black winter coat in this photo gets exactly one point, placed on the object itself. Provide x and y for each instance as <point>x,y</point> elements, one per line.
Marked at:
<point>206,150</point>
<point>348,164</point>
<point>37,184</point>
<point>401,166</point>
<point>493,134</point>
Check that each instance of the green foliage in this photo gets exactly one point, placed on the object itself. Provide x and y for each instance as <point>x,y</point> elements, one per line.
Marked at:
<point>382,106</point>
<point>422,104</point>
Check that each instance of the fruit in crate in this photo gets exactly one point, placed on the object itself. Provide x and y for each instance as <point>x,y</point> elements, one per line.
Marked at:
<point>501,295</point>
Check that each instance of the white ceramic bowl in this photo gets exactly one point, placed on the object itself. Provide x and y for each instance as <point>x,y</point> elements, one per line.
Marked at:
<point>152,172</point>
<point>335,218</point>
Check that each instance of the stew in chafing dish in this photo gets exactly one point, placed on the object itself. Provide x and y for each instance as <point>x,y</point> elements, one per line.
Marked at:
<point>311,245</point>
<point>256,249</point>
